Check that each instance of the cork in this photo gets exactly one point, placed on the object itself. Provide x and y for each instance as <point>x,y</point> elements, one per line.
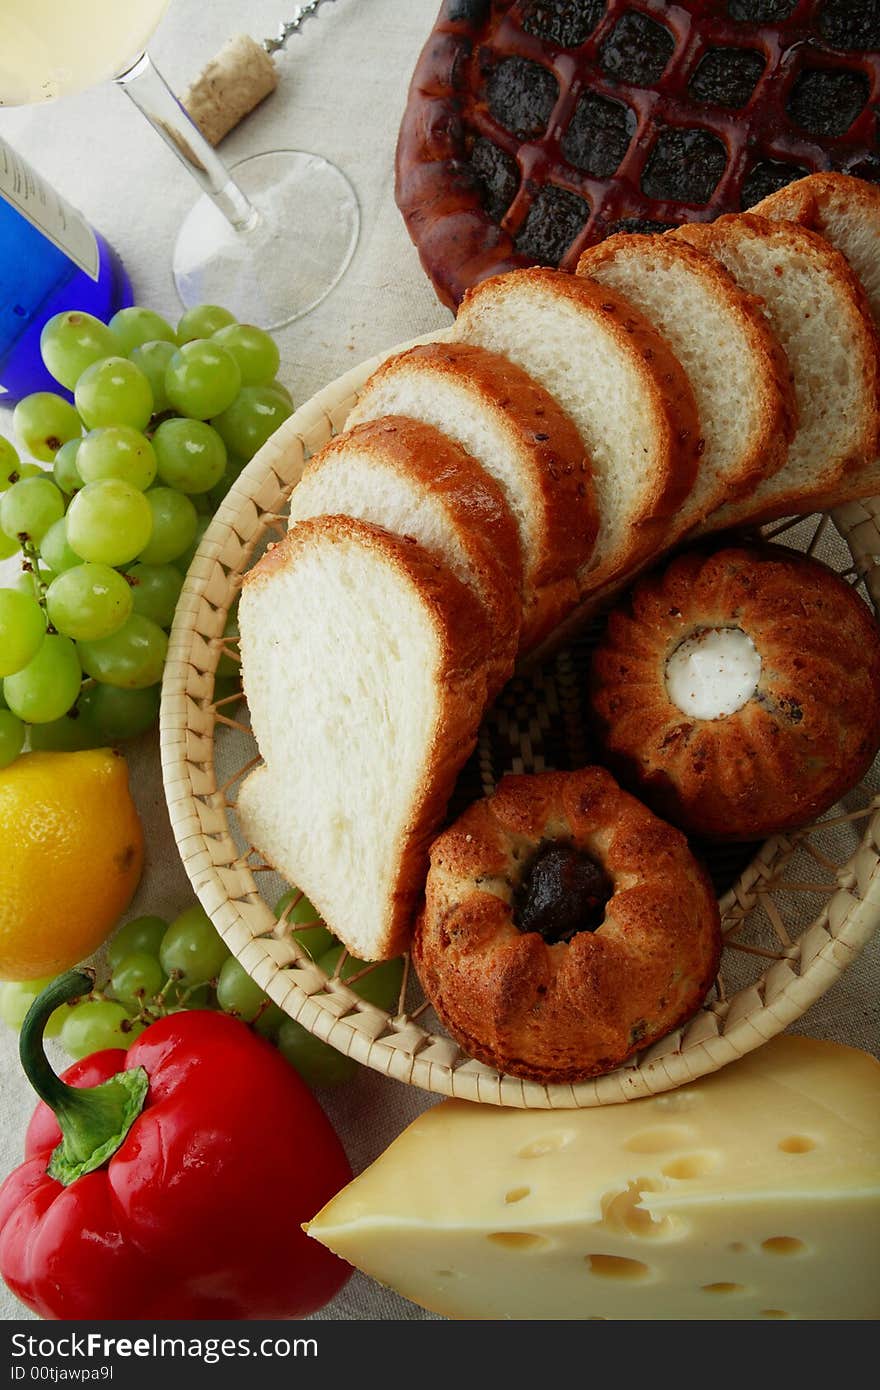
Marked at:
<point>231,85</point>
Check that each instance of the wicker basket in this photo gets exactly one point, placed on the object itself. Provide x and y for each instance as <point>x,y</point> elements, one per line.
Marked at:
<point>795,916</point>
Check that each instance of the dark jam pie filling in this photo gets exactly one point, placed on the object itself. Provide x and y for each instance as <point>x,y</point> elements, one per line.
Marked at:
<point>727,76</point>
<point>521,96</point>
<point>637,50</point>
<point>563,891</point>
<point>642,225</point>
<point>851,23</point>
<point>763,11</point>
<point>497,177</point>
<point>555,219</point>
<point>767,177</point>
<point>826,101</point>
<point>684,166</point>
<point>566,22</point>
<point>599,134</point>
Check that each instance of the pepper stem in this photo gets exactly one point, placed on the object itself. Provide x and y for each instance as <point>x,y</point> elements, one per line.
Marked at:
<point>94,1120</point>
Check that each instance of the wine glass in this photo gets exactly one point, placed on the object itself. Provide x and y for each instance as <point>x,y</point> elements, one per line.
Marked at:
<point>269,243</point>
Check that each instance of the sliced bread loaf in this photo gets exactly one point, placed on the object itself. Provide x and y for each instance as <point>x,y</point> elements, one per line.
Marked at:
<point>618,380</point>
<point>523,439</point>
<point>409,478</point>
<point>721,337</point>
<point>364,664</point>
<point>820,315</point>
<point>842,209</point>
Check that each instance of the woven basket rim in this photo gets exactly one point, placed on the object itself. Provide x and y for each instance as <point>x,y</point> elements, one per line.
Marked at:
<point>397,1045</point>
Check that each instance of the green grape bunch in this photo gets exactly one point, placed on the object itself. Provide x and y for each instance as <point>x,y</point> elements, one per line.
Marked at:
<point>107,514</point>
<point>155,968</point>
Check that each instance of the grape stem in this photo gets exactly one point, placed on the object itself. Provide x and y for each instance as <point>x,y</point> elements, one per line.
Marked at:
<point>93,1120</point>
<point>32,564</point>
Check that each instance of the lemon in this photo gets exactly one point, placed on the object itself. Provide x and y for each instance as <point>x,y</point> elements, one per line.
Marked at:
<point>71,853</point>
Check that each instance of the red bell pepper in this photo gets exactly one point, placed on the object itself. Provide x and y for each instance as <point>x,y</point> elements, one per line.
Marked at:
<point>184,1170</point>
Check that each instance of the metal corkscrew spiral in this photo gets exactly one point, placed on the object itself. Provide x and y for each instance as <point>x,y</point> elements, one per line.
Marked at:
<point>291,26</point>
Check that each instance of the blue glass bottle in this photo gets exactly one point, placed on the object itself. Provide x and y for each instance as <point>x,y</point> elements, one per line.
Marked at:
<point>50,260</point>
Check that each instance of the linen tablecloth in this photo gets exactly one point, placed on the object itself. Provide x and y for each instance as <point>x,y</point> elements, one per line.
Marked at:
<point>342,89</point>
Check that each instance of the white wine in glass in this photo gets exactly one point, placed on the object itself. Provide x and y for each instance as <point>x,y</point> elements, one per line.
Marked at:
<point>269,243</point>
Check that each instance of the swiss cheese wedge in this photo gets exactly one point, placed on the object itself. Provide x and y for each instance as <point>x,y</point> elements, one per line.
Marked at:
<point>752,1193</point>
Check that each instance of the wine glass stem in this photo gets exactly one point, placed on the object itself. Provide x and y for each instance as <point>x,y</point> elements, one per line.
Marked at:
<point>151,94</point>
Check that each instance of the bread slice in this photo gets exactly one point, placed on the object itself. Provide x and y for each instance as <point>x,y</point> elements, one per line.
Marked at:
<point>364,664</point>
<point>738,371</point>
<point>842,209</point>
<point>623,388</point>
<point>409,478</point>
<point>523,439</point>
<point>820,315</point>
<point>846,212</point>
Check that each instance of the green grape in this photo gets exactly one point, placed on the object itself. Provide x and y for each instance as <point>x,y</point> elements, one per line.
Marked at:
<point>269,1020</point>
<point>281,390</point>
<point>174,523</point>
<point>16,998</point>
<point>49,684</point>
<point>136,978</point>
<point>132,657</point>
<point>255,352</point>
<point>117,451</point>
<point>109,522</point>
<point>155,590</point>
<point>114,713</point>
<point>317,1062</point>
<point>114,392</point>
<point>9,464</point>
<point>22,629</point>
<point>43,422</point>
<point>192,949</point>
<point>237,993</point>
<point>11,737</point>
<point>140,936</point>
<point>202,379</point>
<point>88,602</point>
<point>135,326</point>
<point>29,508</point>
<point>253,416</point>
<point>12,470</point>
<point>184,561</point>
<point>69,734</point>
<point>153,359</point>
<point>8,547</point>
<point>72,341</point>
<point>64,470</point>
<point>27,583</point>
<point>202,321</point>
<point>95,1024</point>
<point>381,986</point>
<point>191,456</point>
<point>312,935</point>
<point>55,550</point>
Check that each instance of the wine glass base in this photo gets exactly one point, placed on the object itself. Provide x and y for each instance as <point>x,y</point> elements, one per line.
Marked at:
<point>297,251</point>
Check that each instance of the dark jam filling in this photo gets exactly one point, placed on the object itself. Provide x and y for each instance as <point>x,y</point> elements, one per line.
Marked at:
<point>555,218</point>
<point>563,892</point>
<point>566,22</point>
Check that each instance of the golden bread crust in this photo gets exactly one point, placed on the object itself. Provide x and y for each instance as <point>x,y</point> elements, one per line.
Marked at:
<point>765,452</point>
<point>564,1012</point>
<point>672,409</point>
<point>550,453</point>
<point>808,734</point>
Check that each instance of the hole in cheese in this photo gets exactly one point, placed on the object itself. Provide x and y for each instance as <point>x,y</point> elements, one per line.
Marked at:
<point>783,1245</point>
<point>623,1211</point>
<point>517,1240</point>
<point>516,1194</point>
<point>547,1144</point>
<point>797,1144</point>
<point>736,1246</point>
<point>690,1166</point>
<point>723,1288</point>
<point>660,1139</point>
<point>616,1267</point>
